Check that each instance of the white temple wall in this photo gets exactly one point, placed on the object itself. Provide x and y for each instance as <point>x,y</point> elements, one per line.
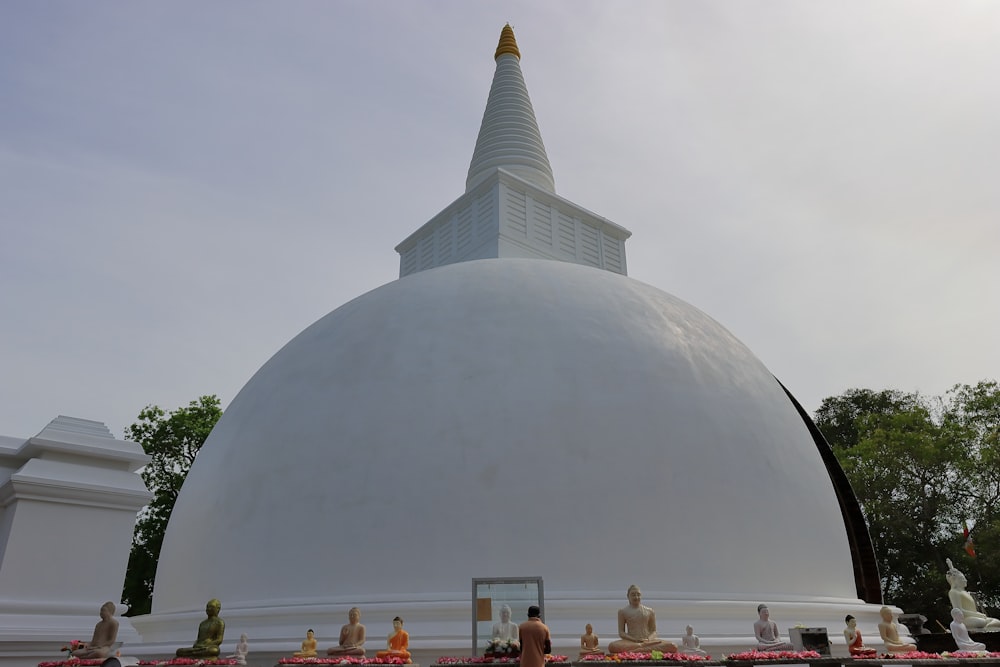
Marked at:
<point>68,503</point>
<point>32,568</point>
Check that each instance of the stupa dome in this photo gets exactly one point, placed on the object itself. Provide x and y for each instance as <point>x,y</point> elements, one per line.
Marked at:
<point>507,417</point>
<point>513,406</point>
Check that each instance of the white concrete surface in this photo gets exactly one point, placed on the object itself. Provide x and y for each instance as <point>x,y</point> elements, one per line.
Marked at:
<point>68,502</point>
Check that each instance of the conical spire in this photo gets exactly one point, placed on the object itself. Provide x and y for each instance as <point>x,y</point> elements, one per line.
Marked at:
<point>509,136</point>
<point>507,43</point>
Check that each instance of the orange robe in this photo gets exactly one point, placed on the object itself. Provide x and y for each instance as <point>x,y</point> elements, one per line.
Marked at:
<point>857,647</point>
<point>398,644</point>
<point>534,635</point>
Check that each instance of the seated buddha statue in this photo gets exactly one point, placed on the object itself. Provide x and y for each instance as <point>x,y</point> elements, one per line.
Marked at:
<point>690,643</point>
<point>504,630</point>
<point>855,644</point>
<point>960,633</point>
<point>766,632</point>
<point>397,643</point>
<point>105,635</point>
<point>308,646</point>
<point>889,631</point>
<point>961,599</point>
<point>589,642</point>
<point>242,649</point>
<point>210,632</point>
<point>637,628</point>
<point>352,636</point>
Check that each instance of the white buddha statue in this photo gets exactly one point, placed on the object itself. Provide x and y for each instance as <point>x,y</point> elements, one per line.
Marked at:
<point>766,632</point>
<point>242,649</point>
<point>504,630</point>
<point>690,642</point>
<point>960,599</point>
<point>961,634</point>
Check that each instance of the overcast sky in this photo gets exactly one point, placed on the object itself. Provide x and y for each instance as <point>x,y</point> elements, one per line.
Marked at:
<point>185,186</point>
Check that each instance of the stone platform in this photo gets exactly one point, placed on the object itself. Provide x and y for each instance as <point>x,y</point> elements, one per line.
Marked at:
<point>939,642</point>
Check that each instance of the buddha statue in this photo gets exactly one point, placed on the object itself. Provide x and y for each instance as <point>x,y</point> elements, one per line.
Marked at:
<point>105,635</point>
<point>766,632</point>
<point>210,632</point>
<point>504,630</point>
<point>637,628</point>
<point>889,631</point>
<point>961,599</point>
<point>242,649</point>
<point>308,649</point>
<point>397,643</point>
<point>589,642</point>
<point>690,642</point>
<point>960,633</point>
<point>855,645</point>
<point>352,636</point>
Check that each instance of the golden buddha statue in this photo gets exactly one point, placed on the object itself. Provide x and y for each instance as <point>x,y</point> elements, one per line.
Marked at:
<point>308,646</point>
<point>210,632</point>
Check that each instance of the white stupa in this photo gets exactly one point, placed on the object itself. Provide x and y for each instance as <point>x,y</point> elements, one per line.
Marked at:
<point>513,405</point>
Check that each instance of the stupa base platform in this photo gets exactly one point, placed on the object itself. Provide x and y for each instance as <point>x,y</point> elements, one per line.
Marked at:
<point>940,642</point>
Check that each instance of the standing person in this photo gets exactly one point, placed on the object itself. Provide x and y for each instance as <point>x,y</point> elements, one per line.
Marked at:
<point>535,639</point>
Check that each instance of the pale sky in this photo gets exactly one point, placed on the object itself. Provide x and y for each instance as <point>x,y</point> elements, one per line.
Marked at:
<point>185,186</point>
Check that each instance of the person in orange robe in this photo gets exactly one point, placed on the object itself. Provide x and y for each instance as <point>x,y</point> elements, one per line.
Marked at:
<point>397,643</point>
<point>536,641</point>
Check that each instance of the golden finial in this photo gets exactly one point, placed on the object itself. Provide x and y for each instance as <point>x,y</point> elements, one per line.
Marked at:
<point>507,43</point>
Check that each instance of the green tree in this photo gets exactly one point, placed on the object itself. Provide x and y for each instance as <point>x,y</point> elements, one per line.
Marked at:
<point>902,469</point>
<point>839,417</point>
<point>173,441</point>
<point>920,467</point>
<point>974,411</point>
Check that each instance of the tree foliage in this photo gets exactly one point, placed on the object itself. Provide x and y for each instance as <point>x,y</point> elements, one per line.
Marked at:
<point>839,416</point>
<point>920,467</point>
<point>173,441</point>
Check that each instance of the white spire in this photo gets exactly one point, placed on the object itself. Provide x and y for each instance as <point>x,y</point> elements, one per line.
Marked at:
<point>509,136</point>
<point>510,208</point>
